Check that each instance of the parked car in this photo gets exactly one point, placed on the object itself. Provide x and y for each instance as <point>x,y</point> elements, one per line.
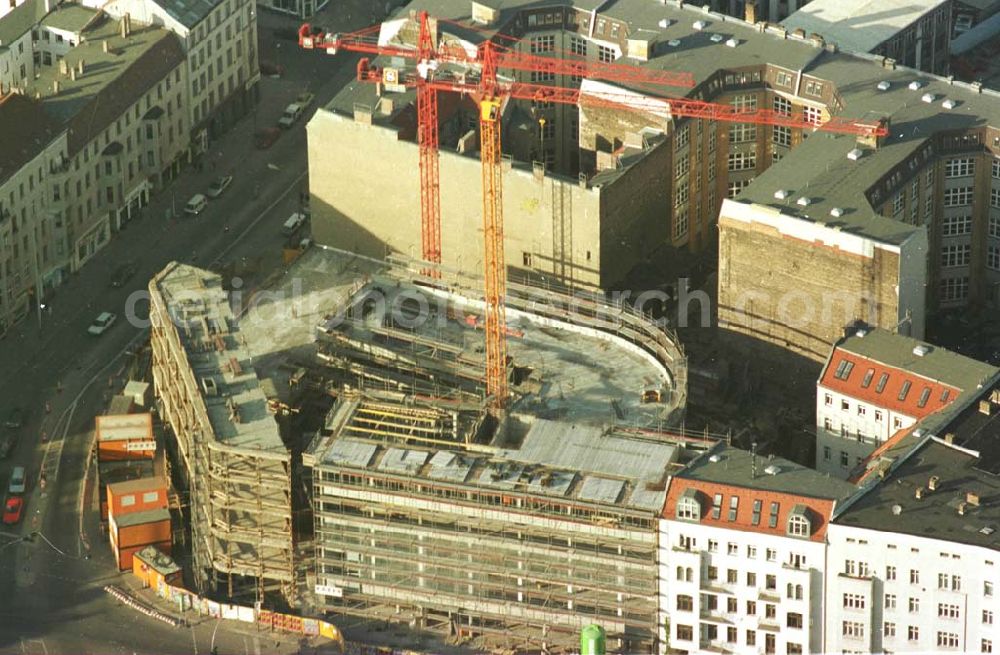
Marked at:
<point>305,99</point>
<point>14,419</point>
<point>293,223</point>
<point>18,481</point>
<point>266,137</point>
<point>13,509</point>
<point>292,114</point>
<point>219,185</point>
<point>196,204</point>
<point>102,323</point>
<point>123,274</point>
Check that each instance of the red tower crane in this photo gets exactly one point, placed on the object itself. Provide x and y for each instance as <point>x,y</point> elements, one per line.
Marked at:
<point>490,93</point>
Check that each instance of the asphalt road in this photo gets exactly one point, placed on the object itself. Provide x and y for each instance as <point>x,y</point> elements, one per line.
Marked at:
<point>51,598</point>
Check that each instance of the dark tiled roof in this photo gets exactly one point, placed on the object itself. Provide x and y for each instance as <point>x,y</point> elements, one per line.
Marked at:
<point>189,12</point>
<point>20,19</point>
<point>24,132</point>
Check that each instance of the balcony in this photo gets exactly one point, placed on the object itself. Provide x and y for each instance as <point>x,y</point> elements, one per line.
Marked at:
<point>716,616</point>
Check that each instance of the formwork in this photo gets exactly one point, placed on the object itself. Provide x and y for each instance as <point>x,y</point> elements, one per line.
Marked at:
<point>233,463</point>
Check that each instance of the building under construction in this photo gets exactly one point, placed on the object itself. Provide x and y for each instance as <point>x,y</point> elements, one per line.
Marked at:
<point>232,463</point>
<point>516,528</point>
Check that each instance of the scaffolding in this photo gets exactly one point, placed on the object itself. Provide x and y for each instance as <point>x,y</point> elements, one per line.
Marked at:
<point>236,470</point>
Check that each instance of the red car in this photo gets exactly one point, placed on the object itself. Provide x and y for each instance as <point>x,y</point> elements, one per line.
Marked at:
<point>12,510</point>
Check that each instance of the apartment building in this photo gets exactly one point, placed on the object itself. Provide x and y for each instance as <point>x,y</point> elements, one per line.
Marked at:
<point>743,555</point>
<point>877,384</point>
<point>34,150</point>
<point>913,562</point>
<point>16,25</point>
<point>119,94</point>
<point>220,44</point>
<point>913,33</point>
<point>298,8</point>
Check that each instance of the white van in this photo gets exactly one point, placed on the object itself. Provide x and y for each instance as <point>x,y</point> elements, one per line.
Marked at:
<point>17,481</point>
<point>196,204</point>
<point>292,113</point>
<point>294,222</point>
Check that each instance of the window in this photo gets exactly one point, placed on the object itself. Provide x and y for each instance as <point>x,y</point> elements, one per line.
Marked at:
<point>854,601</point>
<point>988,617</point>
<point>826,451</point>
<point>682,166</point>
<point>956,288</point>
<point>544,43</point>
<point>955,255</point>
<point>793,620</point>
<point>752,550</point>
<point>755,518</point>
<point>889,630</point>
<point>684,632</point>
<point>742,161</point>
<point>988,589</point>
<point>770,582</point>
<point>964,167</point>
<point>685,603</point>
<point>751,638</point>
<point>878,419</point>
<point>713,546</point>
<point>890,601</point>
<point>688,508</point>
<point>751,608</point>
<point>812,115</point>
<point>734,503</point>
<point>731,634</point>
<point>986,646</point>
<point>844,369</point>
<point>713,573</point>
<point>744,103</point>
<point>732,577</point>
<point>783,79</point>
<point>898,203</point>
<point>578,46</point>
<point>862,410</point>
<point>914,576</point>
<point>782,106</point>
<point>781,135</point>
<point>770,610</point>
<point>682,136</point>
<point>772,555</point>
<point>954,226</point>
<point>798,526</point>
<point>995,227</point>
<point>913,633</point>
<point>542,76</point>
<point>732,549</point>
<point>843,459</point>
<point>904,390</point>
<point>736,186</point>
<point>814,88</point>
<point>881,382</point>
<point>995,198</point>
<point>716,506</point>
<point>850,568</point>
<point>128,501</point>
<point>947,640</point>
<point>914,605</point>
<point>605,54</point>
<point>828,400</point>
<point>956,583</point>
<point>150,497</point>
<point>853,629</point>
<point>958,196</point>
<point>742,132</point>
<point>947,611</point>
<point>751,579</point>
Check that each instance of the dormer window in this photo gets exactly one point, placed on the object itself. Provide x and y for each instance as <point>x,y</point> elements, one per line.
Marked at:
<point>799,524</point>
<point>688,507</point>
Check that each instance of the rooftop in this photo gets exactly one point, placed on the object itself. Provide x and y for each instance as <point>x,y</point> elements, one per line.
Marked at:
<point>160,562</point>
<point>219,357</point>
<point>891,505</point>
<point>819,167</point>
<point>69,17</point>
<point>189,12</point>
<point>24,132</point>
<point>553,458</point>
<point>123,427</point>
<point>936,379</point>
<point>858,25</point>
<point>736,489</point>
<point>138,485</point>
<point>20,20</point>
<point>111,81</point>
<point>139,518</point>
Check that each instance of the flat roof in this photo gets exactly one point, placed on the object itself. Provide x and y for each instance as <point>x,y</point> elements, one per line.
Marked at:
<point>122,427</point>
<point>556,459</point>
<point>20,20</point>
<point>935,515</point>
<point>219,357</point>
<point>139,518</point>
<point>818,167</point>
<point>69,17</point>
<point>137,485</point>
<point>859,25</point>
<point>158,561</point>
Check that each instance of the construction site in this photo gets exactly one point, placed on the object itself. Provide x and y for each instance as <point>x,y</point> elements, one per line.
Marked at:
<point>418,499</point>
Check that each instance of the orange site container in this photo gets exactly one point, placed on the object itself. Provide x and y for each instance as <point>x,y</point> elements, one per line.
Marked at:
<point>140,528</point>
<point>152,566</point>
<point>135,496</point>
<point>125,436</point>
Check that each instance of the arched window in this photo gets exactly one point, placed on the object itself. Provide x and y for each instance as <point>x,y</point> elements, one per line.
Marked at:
<point>798,523</point>
<point>798,592</point>
<point>688,507</point>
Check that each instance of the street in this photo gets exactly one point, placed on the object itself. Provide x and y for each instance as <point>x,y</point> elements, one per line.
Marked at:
<point>51,597</point>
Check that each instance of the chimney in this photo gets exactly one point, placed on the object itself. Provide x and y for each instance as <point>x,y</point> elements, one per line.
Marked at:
<point>919,493</point>
<point>933,483</point>
<point>872,140</point>
<point>949,438</point>
<point>124,28</point>
<point>751,12</point>
<point>962,507</point>
<point>55,87</point>
<point>104,46</point>
<point>63,67</point>
<point>128,24</point>
<point>79,68</point>
<point>984,407</point>
<point>72,74</point>
<point>48,6</point>
<point>972,499</point>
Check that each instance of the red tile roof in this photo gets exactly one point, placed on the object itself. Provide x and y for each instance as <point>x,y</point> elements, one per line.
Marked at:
<point>853,386</point>
<point>819,509</point>
<point>891,442</point>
